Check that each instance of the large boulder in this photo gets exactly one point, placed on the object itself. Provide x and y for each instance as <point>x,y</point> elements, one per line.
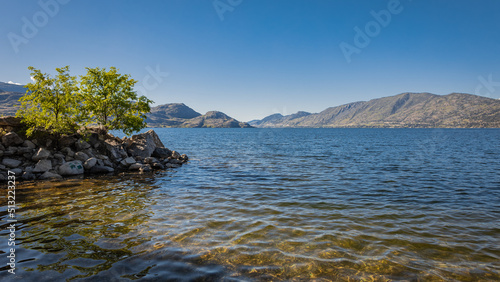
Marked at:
<point>90,163</point>
<point>11,139</point>
<point>67,141</point>
<point>161,153</point>
<point>12,163</point>
<point>43,166</point>
<point>81,145</point>
<point>41,154</point>
<point>71,168</point>
<point>144,144</point>
<point>81,156</point>
<point>114,149</point>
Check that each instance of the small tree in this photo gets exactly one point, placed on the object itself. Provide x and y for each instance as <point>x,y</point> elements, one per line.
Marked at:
<point>110,101</point>
<point>50,103</point>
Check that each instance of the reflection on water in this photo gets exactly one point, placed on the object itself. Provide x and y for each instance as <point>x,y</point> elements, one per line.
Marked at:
<point>325,211</point>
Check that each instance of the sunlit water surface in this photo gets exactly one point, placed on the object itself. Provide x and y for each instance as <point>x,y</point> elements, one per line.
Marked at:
<point>275,204</point>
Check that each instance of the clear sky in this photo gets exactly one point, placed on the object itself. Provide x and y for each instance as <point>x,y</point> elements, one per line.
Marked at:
<point>253,58</point>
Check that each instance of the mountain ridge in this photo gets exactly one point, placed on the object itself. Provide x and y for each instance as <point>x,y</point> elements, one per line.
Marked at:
<point>403,110</point>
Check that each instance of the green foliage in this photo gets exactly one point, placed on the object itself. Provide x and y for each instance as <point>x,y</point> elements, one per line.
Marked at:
<point>110,101</point>
<point>50,103</point>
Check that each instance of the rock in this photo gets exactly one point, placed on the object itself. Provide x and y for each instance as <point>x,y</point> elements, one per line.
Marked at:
<point>28,169</point>
<point>28,176</point>
<point>100,162</point>
<point>161,153</point>
<point>11,163</point>
<point>2,167</point>
<point>89,152</point>
<point>184,158</point>
<point>2,147</point>
<point>150,160</point>
<point>41,154</point>
<point>144,144</point>
<point>49,175</point>
<point>29,144</point>
<point>128,161</point>
<point>102,157</point>
<point>43,166</point>
<point>17,171</point>
<point>11,138</point>
<point>135,166</point>
<point>3,177</point>
<point>169,165</point>
<point>90,163</point>
<point>101,169</point>
<point>10,121</point>
<point>24,150</point>
<point>67,141</point>
<point>145,168</point>
<point>48,143</point>
<point>107,163</point>
<point>158,166</point>
<point>68,158</point>
<point>81,156</point>
<point>114,149</point>
<point>175,155</point>
<point>81,145</point>
<point>12,149</point>
<point>174,161</point>
<point>71,168</point>
<point>68,152</point>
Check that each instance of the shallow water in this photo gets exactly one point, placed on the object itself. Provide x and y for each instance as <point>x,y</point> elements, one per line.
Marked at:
<point>275,204</point>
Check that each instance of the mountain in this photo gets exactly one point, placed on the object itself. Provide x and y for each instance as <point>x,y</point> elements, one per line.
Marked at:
<point>180,115</point>
<point>403,110</point>
<point>9,96</point>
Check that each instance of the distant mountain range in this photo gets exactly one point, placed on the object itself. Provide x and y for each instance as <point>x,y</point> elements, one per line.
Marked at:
<point>180,115</point>
<point>403,110</point>
<point>168,115</point>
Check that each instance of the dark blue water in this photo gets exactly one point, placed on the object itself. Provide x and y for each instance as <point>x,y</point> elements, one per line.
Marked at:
<point>278,204</point>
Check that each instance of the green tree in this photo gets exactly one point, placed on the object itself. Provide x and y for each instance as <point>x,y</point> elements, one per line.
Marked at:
<point>110,101</point>
<point>50,103</point>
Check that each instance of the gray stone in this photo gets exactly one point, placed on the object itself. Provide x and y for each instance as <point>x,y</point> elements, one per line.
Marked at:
<point>145,168</point>
<point>101,169</point>
<point>71,168</point>
<point>11,163</point>
<point>68,152</point>
<point>102,157</point>
<point>107,163</point>
<point>144,144</point>
<point>28,169</point>
<point>90,163</point>
<point>184,158</point>
<point>24,150</point>
<point>68,158</point>
<point>43,166</point>
<point>158,166</point>
<point>175,155</point>
<point>81,156</point>
<point>11,139</point>
<point>174,161</point>
<point>150,160</point>
<point>2,167</point>
<point>3,177</point>
<point>114,149</point>
<point>17,171</point>
<point>67,141</point>
<point>100,162</point>
<point>49,175</point>
<point>81,145</point>
<point>135,166</point>
<point>41,154</point>
<point>128,161</point>
<point>161,153</point>
<point>12,149</point>
<point>29,144</point>
<point>28,176</point>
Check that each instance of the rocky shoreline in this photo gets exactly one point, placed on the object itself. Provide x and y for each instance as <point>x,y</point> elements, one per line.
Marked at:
<point>92,152</point>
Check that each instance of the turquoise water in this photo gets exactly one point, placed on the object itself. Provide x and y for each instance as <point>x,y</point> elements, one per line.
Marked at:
<point>276,204</point>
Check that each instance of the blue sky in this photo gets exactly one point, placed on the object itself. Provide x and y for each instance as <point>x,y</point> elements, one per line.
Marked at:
<point>253,58</point>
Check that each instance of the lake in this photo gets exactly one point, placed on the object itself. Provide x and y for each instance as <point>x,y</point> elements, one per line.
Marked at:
<point>275,204</point>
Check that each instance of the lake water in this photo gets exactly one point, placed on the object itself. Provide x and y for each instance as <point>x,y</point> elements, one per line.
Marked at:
<point>275,204</point>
